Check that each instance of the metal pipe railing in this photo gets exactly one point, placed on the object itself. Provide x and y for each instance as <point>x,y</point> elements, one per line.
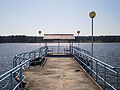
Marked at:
<point>62,49</point>
<point>98,66</point>
<point>20,62</point>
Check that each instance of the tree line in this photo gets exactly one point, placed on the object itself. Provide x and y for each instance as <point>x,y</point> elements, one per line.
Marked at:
<point>35,39</point>
<point>98,38</point>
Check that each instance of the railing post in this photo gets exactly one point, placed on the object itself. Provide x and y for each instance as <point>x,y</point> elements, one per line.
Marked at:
<point>29,58</point>
<point>71,49</point>
<point>52,50</point>
<point>35,58</point>
<point>39,51</point>
<point>46,51</point>
<point>21,77</point>
<point>24,56</point>
<point>34,55</point>
<point>117,80</point>
<point>19,62</point>
<point>11,82</point>
<point>105,77</point>
<point>91,66</point>
<point>96,69</point>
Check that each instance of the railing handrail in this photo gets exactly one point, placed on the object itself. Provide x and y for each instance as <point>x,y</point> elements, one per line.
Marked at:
<point>23,61</point>
<point>13,69</point>
<point>96,59</point>
<point>106,66</point>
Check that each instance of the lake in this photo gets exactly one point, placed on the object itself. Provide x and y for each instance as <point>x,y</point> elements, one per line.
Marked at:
<point>106,52</point>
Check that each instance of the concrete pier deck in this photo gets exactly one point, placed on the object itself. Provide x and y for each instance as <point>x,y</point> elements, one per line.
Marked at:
<point>59,73</point>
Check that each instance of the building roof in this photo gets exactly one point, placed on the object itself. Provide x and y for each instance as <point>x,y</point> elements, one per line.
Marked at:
<point>59,36</point>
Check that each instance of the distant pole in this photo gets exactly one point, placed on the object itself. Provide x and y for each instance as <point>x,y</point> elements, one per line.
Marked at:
<point>58,45</point>
<point>39,37</point>
<point>78,37</point>
<point>92,14</point>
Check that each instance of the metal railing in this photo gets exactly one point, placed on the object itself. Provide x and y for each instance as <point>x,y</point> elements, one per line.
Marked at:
<point>106,75</point>
<point>84,51</point>
<point>18,59</point>
<point>58,49</point>
<point>13,79</point>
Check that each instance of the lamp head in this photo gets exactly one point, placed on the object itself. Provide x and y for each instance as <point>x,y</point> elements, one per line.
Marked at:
<point>92,14</point>
<point>39,32</point>
<point>78,32</point>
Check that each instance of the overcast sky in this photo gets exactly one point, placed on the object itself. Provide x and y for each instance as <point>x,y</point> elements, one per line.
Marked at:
<point>27,17</point>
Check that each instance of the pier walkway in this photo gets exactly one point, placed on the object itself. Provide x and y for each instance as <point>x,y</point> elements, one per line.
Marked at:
<point>59,73</point>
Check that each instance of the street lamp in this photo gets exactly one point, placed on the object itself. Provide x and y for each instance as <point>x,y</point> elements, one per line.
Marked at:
<point>78,32</point>
<point>39,32</point>
<point>92,14</point>
<point>39,37</point>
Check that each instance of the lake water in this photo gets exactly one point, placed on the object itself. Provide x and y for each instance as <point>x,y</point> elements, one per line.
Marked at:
<point>106,52</point>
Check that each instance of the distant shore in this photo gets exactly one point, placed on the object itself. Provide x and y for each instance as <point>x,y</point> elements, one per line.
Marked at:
<point>80,39</point>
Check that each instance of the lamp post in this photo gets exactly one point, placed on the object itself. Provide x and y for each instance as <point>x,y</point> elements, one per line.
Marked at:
<point>92,14</point>
<point>38,39</point>
<point>78,32</point>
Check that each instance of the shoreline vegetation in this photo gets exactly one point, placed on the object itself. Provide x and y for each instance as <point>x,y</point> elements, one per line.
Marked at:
<point>36,39</point>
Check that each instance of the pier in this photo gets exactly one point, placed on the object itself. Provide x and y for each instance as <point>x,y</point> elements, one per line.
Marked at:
<point>59,73</point>
<point>59,67</point>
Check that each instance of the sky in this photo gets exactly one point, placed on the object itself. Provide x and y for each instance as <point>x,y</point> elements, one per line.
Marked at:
<point>27,17</point>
